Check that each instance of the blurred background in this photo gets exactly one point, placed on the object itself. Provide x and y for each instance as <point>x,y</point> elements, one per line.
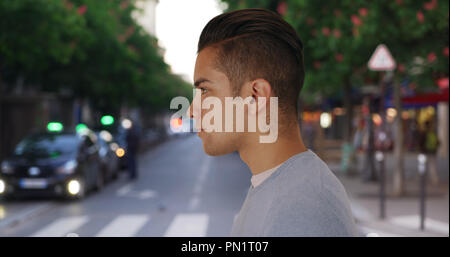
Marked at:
<point>88,147</point>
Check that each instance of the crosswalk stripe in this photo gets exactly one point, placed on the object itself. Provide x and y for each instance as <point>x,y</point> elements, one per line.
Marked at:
<point>125,189</point>
<point>188,225</point>
<point>61,227</point>
<point>124,226</point>
<point>146,194</point>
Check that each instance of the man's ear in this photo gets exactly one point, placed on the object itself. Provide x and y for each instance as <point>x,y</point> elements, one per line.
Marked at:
<point>260,92</point>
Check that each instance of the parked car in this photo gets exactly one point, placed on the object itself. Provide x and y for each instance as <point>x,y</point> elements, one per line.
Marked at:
<point>61,164</point>
<point>108,155</point>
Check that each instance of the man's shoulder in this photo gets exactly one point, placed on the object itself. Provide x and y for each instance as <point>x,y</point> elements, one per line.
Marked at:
<point>305,171</point>
<point>309,200</point>
<point>308,181</point>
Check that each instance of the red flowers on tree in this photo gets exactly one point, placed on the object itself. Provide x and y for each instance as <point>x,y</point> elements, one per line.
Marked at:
<point>363,12</point>
<point>356,20</point>
<point>420,16</point>
<point>282,7</point>
<point>445,51</point>
<point>431,57</point>
<point>337,33</point>
<point>430,5</point>
<point>82,9</point>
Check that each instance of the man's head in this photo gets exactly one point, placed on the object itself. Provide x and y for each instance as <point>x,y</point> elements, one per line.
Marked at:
<point>250,52</point>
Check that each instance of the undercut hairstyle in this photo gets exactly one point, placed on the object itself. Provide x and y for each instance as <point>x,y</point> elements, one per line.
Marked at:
<point>257,43</point>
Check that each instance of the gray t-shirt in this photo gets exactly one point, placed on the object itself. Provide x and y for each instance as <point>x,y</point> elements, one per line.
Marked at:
<point>301,198</point>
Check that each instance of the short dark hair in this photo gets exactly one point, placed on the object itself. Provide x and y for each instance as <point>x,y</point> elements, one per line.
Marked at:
<point>257,43</point>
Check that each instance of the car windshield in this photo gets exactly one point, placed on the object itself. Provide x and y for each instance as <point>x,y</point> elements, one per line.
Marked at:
<point>47,145</point>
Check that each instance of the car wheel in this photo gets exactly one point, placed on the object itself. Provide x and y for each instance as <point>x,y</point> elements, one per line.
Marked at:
<point>115,174</point>
<point>6,197</point>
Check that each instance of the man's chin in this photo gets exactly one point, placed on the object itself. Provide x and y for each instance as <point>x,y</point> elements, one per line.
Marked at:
<point>215,150</point>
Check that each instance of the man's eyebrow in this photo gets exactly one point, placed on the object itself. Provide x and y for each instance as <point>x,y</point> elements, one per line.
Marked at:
<point>200,81</point>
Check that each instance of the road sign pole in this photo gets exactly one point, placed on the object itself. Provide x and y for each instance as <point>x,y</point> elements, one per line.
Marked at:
<point>380,159</point>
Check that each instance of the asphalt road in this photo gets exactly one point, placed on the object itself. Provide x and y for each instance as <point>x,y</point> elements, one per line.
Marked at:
<point>180,192</point>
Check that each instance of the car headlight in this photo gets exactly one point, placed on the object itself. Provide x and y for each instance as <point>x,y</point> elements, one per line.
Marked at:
<point>6,168</point>
<point>2,186</point>
<point>68,167</point>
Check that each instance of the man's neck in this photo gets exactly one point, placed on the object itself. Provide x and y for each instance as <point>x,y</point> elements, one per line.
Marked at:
<point>260,157</point>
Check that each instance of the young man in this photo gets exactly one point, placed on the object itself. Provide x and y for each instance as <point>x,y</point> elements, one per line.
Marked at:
<point>255,53</point>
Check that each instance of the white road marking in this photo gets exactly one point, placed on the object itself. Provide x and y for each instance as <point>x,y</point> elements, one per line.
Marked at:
<point>188,225</point>
<point>146,194</point>
<point>413,222</point>
<point>195,200</point>
<point>61,227</point>
<point>124,226</point>
<point>125,189</point>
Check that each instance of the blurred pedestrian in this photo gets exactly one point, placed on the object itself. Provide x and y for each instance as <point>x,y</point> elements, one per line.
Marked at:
<point>358,137</point>
<point>429,143</point>
<point>132,139</point>
<point>412,135</point>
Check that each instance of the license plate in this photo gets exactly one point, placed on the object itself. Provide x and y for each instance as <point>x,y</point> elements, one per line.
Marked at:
<point>33,183</point>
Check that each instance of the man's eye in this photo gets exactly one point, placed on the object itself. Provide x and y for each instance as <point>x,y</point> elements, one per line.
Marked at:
<point>203,90</point>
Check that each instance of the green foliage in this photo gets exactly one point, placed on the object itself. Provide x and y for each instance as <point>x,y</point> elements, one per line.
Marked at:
<point>340,36</point>
<point>94,49</point>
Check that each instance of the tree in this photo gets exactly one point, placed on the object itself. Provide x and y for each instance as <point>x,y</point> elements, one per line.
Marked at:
<point>93,49</point>
<point>340,36</point>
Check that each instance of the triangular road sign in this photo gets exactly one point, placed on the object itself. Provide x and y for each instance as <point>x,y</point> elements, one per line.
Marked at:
<point>382,60</point>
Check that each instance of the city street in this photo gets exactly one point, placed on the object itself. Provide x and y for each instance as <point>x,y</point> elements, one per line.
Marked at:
<point>180,192</point>
<point>100,102</point>
<point>183,192</point>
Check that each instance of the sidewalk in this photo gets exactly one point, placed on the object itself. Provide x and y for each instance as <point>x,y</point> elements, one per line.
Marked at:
<point>402,213</point>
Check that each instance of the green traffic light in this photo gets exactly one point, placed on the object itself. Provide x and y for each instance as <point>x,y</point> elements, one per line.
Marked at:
<point>54,127</point>
<point>107,120</point>
<point>80,128</point>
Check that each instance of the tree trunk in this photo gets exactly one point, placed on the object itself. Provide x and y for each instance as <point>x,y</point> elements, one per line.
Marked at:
<point>399,172</point>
